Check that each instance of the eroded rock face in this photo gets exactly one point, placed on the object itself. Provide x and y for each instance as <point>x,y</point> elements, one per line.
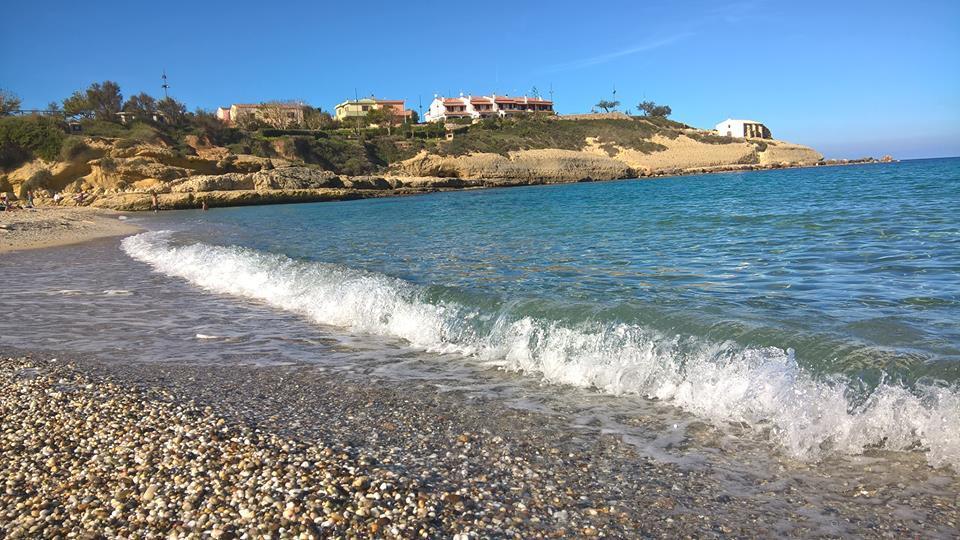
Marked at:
<point>549,165</point>
<point>295,178</point>
<point>784,153</point>
<point>122,174</point>
<point>285,178</point>
<point>237,197</point>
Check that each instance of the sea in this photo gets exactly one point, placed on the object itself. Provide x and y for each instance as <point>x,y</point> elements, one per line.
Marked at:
<point>802,317</point>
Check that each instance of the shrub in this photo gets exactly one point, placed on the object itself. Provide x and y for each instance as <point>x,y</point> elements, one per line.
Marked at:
<point>99,128</point>
<point>709,138</point>
<point>24,137</point>
<point>238,148</point>
<point>72,147</point>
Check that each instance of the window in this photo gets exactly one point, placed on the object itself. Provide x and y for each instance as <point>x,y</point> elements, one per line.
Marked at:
<point>365,108</point>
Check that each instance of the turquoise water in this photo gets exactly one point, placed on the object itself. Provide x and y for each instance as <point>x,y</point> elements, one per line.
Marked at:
<point>856,268</point>
<point>820,305</point>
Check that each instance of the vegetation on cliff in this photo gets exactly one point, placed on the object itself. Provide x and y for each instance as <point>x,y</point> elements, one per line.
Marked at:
<point>118,151</point>
<point>350,149</point>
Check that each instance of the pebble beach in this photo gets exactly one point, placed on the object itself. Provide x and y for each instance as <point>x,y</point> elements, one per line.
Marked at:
<point>92,448</point>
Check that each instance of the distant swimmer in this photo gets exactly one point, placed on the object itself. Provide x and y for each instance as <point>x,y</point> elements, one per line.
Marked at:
<point>203,205</point>
<point>154,202</point>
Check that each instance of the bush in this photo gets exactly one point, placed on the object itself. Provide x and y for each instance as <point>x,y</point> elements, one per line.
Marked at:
<point>72,147</point>
<point>99,128</point>
<point>26,137</point>
<point>238,148</point>
<point>710,138</point>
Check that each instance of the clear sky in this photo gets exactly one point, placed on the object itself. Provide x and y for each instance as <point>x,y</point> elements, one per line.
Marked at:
<point>849,78</point>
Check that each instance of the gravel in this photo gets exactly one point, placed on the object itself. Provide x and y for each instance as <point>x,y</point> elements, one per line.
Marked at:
<point>148,450</point>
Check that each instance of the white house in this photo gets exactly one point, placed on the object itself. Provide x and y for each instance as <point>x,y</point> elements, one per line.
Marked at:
<point>743,129</point>
<point>444,108</point>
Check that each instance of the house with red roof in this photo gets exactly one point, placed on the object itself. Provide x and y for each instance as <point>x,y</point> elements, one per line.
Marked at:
<point>447,108</point>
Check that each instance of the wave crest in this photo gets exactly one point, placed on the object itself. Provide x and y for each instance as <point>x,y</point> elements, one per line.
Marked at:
<point>764,388</point>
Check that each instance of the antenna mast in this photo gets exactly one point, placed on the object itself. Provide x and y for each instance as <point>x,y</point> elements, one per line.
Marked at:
<point>165,86</point>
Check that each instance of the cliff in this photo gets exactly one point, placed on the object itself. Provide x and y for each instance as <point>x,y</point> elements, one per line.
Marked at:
<point>123,174</point>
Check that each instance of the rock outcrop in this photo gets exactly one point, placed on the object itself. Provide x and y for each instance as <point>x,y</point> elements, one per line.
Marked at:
<point>526,166</point>
<point>123,174</point>
<point>609,161</point>
<point>289,178</point>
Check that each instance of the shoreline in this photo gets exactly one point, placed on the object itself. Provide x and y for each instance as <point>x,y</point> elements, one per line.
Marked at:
<point>460,464</point>
<point>47,227</point>
<point>396,186</point>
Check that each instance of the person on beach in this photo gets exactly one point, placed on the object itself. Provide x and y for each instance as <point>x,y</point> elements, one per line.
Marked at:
<point>57,197</point>
<point>6,202</point>
<point>154,202</point>
<point>203,205</point>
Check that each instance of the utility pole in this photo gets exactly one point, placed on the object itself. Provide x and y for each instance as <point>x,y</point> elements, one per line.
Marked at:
<point>165,86</point>
<point>419,108</point>
<point>551,92</point>
<point>614,95</point>
<point>356,103</point>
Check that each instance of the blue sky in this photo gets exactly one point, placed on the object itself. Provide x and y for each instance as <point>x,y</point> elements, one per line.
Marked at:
<point>849,78</point>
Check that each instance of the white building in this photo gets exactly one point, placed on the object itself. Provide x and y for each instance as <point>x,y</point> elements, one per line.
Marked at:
<point>743,129</point>
<point>444,108</point>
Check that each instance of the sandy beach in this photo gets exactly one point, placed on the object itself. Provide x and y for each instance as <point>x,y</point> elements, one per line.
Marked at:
<point>50,226</point>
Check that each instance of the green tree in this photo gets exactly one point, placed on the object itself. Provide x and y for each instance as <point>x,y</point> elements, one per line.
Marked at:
<point>174,112</point>
<point>9,102</point>
<point>650,108</point>
<point>384,116</point>
<point>607,105</point>
<point>100,100</point>
<point>143,105</point>
<point>105,100</point>
<point>77,106</point>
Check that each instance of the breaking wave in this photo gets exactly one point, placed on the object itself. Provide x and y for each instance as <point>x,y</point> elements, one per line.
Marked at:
<point>807,416</point>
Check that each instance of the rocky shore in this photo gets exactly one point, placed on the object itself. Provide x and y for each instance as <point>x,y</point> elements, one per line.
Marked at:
<point>124,175</point>
<point>181,450</point>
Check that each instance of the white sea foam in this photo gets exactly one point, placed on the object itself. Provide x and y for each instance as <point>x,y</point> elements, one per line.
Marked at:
<point>117,292</point>
<point>722,382</point>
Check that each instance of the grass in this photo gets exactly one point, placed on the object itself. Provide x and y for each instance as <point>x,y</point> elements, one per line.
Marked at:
<point>507,135</point>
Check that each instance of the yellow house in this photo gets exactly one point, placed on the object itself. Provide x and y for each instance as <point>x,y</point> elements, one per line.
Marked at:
<point>360,107</point>
<point>275,114</point>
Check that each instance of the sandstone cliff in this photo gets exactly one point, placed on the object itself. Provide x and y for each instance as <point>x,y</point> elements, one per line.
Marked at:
<point>607,160</point>
<point>124,174</point>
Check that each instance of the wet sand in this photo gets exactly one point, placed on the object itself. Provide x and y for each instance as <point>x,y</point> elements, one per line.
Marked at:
<point>383,458</point>
<point>50,226</point>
